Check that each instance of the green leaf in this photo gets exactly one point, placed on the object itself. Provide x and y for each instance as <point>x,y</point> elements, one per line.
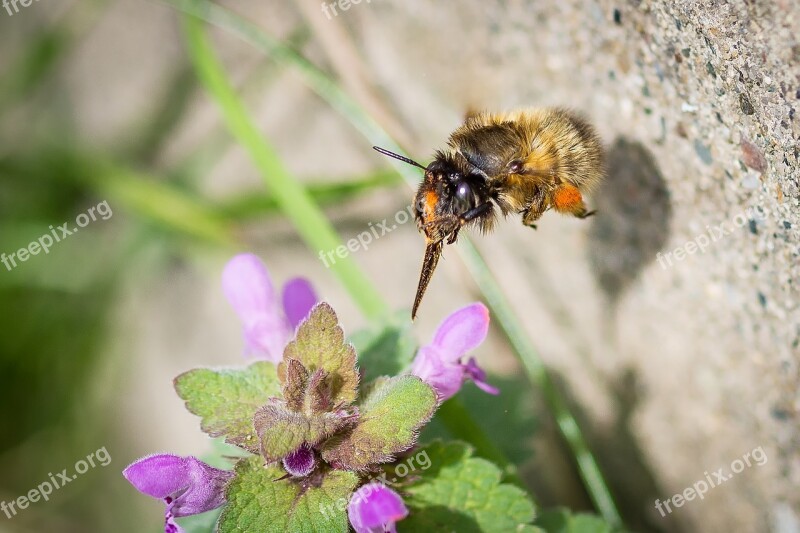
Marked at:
<point>462,493</point>
<point>386,349</point>
<point>561,520</point>
<point>294,384</point>
<point>390,418</point>
<point>281,430</point>
<point>227,399</point>
<point>309,394</point>
<point>320,344</point>
<point>257,502</point>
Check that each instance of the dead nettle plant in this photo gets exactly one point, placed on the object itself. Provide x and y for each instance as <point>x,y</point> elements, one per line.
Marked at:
<point>320,436</point>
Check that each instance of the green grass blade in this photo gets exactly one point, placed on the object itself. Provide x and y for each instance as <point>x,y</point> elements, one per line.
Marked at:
<point>207,153</point>
<point>252,205</point>
<point>317,80</point>
<point>159,202</point>
<point>295,202</point>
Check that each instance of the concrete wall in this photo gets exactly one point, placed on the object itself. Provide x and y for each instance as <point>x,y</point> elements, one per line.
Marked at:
<point>693,359</point>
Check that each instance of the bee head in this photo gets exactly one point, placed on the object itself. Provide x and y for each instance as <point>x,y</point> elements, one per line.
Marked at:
<point>451,188</point>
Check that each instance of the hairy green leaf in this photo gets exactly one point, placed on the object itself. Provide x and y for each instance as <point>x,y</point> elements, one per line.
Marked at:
<point>227,399</point>
<point>257,502</point>
<point>281,430</point>
<point>463,493</point>
<point>320,344</point>
<point>294,384</point>
<point>390,418</point>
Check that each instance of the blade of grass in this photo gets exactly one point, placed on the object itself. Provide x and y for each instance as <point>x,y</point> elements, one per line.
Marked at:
<point>339,100</point>
<point>295,202</point>
<point>285,55</point>
<point>159,124</point>
<point>147,197</point>
<point>159,202</point>
<point>204,156</point>
<point>252,205</point>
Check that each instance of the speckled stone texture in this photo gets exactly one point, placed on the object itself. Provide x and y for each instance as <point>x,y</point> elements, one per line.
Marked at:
<point>707,94</point>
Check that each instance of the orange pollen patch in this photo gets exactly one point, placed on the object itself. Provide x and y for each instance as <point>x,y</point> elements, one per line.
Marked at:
<point>567,196</point>
<point>430,203</point>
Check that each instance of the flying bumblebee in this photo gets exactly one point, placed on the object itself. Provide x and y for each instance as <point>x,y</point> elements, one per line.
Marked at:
<point>522,162</point>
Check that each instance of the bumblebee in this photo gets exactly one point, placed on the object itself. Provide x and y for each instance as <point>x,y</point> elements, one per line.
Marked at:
<point>523,162</point>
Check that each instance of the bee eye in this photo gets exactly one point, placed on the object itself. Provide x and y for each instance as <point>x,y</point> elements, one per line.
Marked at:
<point>463,195</point>
<point>515,166</point>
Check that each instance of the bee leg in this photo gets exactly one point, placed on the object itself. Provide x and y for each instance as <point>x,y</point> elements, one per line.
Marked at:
<point>529,217</point>
<point>568,199</point>
<point>475,212</point>
<point>535,209</point>
<point>453,236</point>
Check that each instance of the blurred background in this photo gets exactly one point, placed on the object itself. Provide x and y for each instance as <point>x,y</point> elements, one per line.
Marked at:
<point>674,369</point>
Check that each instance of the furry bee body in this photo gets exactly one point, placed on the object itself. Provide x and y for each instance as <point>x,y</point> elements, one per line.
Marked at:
<point>523,162</point>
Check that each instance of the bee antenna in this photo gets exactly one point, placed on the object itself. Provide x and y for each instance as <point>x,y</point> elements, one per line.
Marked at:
<point>384,151</point>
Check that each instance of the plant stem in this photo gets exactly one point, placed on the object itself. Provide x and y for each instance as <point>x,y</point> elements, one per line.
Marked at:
<point>294,200</point>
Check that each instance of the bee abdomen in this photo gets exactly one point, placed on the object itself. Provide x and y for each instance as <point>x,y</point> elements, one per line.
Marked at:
<point>565,144</point>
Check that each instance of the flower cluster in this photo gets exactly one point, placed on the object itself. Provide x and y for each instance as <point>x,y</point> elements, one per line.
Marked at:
<point>310,415</point>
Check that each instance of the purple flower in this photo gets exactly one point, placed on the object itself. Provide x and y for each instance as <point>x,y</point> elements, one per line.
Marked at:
<point>374,508</point>
<point>268,323</point>
<point>300,462</point>
<point>439,363</point>
<point>187,485</point>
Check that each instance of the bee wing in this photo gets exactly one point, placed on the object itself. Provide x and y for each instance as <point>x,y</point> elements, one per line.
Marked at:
<point>433,251</point>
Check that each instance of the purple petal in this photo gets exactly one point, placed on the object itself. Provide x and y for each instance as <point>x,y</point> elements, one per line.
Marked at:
<point>266,337</point>
<point>158,476</point>
<point>206,491</point>
<point>298,299</point>
<point>301,462</point>
<point>478,375</point>
<point>462,331</point>
<point>375,508</point>
<point>445,378</point>
<point>187,485</point>
<point>248,287</point>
